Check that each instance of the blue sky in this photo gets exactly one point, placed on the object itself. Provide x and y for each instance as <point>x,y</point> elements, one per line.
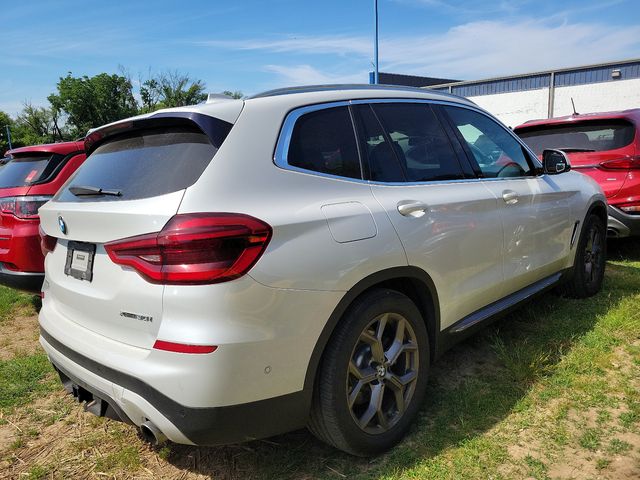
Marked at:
<point>257,45</point>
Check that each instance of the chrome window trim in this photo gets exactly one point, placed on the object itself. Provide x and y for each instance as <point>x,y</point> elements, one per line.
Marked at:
<point>286,132</point>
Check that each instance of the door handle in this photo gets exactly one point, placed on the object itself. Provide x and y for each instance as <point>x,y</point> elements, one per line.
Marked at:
<point>410,208</point>
<point>510,197</point>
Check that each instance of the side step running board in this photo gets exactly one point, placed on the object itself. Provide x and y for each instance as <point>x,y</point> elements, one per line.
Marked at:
<point>505,303</point>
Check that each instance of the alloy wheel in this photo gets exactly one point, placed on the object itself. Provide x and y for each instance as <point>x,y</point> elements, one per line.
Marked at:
<point>382,373</point>
<point>593,255</point>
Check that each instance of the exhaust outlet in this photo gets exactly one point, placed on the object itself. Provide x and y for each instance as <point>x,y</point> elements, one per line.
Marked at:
<point>152,434</point>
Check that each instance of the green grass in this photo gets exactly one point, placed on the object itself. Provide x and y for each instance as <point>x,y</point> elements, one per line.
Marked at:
<point>24,378</point>
<point>552,383</point>
<point>12,300</point>
<point>126,458</point>
<point>544,380</point>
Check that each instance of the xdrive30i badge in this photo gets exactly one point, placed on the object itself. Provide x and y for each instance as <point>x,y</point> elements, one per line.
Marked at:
<point>135,316</point>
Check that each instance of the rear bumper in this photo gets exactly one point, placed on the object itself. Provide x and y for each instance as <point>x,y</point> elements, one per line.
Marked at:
<point>20,244</point>
<point>27,281</point>
<point>622,225</point>
<point>130,399</point>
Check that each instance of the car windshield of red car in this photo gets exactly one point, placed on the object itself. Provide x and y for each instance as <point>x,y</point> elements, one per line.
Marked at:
<point>590,136</point>
<point>24,171</point>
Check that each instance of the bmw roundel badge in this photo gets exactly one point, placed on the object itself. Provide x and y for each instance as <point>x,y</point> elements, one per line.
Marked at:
<point>62,224</point>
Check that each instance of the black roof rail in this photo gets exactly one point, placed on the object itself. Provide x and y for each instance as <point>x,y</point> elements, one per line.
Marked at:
<point>348,86</point>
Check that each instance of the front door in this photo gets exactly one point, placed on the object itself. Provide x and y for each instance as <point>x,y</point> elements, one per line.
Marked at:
<point>448,222</point>
<point>534,210</point>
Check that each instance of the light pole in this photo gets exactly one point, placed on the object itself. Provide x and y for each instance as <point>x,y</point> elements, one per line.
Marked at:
<point>375,44</point>
<point>8,136</point>
<point>6,128</point>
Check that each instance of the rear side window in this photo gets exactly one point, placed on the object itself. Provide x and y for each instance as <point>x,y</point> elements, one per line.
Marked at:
<point>24,171</point>
<point>323,141</point>
<point>590,136</point>
<point>143,164</point>
<point>418,142</point>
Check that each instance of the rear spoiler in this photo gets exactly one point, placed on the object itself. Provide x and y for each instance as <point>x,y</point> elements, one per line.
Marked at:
<point>214,128</point>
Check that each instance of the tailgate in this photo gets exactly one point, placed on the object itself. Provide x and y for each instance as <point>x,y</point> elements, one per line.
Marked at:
<point>117,302</point>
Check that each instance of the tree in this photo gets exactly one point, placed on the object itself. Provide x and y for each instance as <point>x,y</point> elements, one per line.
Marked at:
<point>171,89</point>
<point>237,94</point>
<point>36,125</point>
<point>89,102</point>
<point>5,120</point>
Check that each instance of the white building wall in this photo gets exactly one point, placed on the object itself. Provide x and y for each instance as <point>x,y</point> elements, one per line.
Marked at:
<point>514,108</point>
<point>597,97</point>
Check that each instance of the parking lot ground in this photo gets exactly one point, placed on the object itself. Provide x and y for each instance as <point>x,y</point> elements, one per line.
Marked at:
<point>551,391</point>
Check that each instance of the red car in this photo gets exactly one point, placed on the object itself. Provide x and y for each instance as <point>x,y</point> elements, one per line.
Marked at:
<point>605,146</point>
<point>28,179</point>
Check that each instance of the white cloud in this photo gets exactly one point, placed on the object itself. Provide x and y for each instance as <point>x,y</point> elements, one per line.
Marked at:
<point>321,44</point>
<point>471,50</point>
<point>308,75</point>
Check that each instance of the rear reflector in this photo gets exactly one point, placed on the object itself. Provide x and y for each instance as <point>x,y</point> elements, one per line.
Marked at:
<point>625,163</point>
<point>631,208</point>
<point>183,348</point>
<point>195,249</point>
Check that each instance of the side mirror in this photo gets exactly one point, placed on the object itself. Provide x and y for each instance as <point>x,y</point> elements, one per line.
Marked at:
<point>555,162</point>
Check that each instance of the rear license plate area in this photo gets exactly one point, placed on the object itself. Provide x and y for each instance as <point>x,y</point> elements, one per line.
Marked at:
<point>79,262</point>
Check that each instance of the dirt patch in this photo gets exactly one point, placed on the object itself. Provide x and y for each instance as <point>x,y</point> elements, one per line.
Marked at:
<point>19,336</point>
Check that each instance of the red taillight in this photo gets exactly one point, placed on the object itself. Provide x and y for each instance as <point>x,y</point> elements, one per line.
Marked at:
<point>195,249</point>
<point>23,207</point>
<point>47,242</point>
<point>625,163</point>
<point>183,348</point>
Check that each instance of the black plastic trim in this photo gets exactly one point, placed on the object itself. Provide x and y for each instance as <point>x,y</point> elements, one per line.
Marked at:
<point>205,425</point>
<point>54,173</point>
<point>504,303</point>
<point>395,273</point>
<point>479,319</point>
<point>28,281</point>
<point>632,222</point>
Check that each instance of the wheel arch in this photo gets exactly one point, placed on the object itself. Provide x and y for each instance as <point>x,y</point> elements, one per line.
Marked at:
<point>598,208</point>
<point>414,282</point>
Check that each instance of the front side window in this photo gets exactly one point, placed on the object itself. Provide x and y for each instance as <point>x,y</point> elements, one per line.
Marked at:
<point>494,149</point>
<point>407,140</point>
<point>324,141</point>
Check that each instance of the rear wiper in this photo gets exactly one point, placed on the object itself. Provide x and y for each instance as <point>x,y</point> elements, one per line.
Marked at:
<point>89,190</point>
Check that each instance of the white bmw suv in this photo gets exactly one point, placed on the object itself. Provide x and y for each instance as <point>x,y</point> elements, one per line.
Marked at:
<point>239,269</point>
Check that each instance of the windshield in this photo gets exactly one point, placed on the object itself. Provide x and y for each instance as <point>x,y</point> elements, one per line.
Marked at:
<point>24,171</point>
<point>590,136</point>
<point>141,164</point>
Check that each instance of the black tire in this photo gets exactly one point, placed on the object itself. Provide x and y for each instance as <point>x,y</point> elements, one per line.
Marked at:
<point>590,261</point>
<point>349,361</point>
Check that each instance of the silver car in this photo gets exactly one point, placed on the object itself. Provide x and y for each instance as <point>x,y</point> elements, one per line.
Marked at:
<point>242,268</point>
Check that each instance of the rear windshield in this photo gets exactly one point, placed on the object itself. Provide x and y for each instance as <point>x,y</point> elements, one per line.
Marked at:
<point>592,136</point>
<point>24,171</point>
<point>143,164</point>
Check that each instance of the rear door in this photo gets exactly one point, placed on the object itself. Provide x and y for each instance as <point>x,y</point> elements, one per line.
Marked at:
<point>446,218</point>
<point>534,209</point>
<point>143,173</point>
